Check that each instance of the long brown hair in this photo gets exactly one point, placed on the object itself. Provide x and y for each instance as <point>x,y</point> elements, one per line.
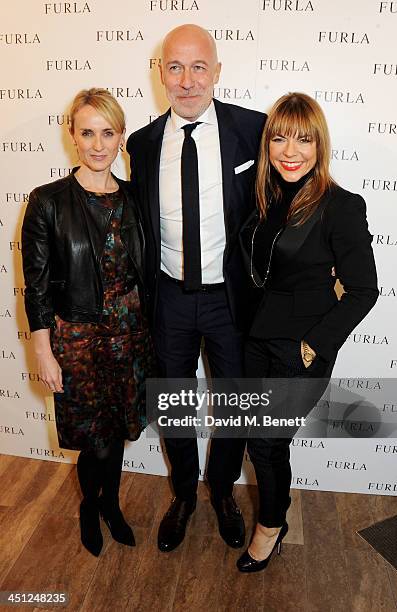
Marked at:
<point>295,114</point>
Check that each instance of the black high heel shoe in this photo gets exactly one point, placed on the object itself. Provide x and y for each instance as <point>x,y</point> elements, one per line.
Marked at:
<point>114,519</point>
<point>90,528</point>
<point>247,564</point>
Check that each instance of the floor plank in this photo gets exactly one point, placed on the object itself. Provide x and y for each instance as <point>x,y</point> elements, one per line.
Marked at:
<point>145,499</point>
<point>370,586</point>
<point>21,476</point>
<point>155,583</point>
<point>326,570</point>
<point>383,506</point>
<point>65,565</point>
<point>285,581</point>
<point>392,574</point>
<point>354,515</point>
<point>22,519</point>
<point>115,575</point>
<point>68,497</point>
<point>197,587</point>
<point>237,591</point>
<point>294,519</point>
<point>5,461</point>
<point>204,519</point>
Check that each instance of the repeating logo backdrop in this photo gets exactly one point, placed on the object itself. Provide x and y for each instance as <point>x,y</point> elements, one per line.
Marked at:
<point>339,52</point>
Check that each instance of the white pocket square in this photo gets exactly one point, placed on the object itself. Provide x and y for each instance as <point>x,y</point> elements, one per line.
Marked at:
<point>244,166</point>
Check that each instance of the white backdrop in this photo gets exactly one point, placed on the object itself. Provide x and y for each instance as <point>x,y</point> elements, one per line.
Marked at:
<point>342,53</point>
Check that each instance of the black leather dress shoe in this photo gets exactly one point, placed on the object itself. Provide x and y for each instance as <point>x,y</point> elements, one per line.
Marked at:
<point>230,521</point>
<point>173,526</point>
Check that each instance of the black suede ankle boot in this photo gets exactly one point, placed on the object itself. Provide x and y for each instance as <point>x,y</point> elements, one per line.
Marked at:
<point>111,464</point>
<point>114,519</point>
<point>90,529</point>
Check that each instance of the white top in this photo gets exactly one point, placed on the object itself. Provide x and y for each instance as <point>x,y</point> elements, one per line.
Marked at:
<point>212,224</point>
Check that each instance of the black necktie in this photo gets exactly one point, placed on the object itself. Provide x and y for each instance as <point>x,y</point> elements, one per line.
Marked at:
<point>190,211</point>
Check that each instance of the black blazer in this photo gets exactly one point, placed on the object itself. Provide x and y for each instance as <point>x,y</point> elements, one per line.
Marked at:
<point>63,238</point>
<point>240,131</point>
<point>299,300</point>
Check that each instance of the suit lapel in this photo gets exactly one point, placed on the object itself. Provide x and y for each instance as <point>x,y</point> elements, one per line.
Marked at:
<point>153,172</point>
<point>228,143</point>
<point>293,237</point>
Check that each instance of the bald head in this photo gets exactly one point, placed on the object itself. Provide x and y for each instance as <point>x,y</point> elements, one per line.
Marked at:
<point>189,69</point>
<point>189,33</point>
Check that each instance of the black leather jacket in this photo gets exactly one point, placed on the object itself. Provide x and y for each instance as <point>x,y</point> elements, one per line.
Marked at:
<point>63,239</point>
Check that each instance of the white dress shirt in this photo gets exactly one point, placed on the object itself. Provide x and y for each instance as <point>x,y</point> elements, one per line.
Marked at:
<point>212,224</point>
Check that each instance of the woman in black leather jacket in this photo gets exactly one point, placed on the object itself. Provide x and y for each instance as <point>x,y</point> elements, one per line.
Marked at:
<point>82,248</point>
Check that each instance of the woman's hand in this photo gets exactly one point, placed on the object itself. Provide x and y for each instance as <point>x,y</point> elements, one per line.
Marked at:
<point>50,372</point>
<point>48,368</point>
<point>308,354</point>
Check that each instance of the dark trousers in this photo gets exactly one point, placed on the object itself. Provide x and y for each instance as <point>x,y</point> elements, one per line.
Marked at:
<point>182,320</point>
<point>279,358</point>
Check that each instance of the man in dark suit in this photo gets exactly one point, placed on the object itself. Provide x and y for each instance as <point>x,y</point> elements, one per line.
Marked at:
<point>193,174</point>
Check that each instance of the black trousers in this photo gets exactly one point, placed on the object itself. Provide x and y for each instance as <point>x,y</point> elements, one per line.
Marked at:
<point>279,358</point>
<point>182,320</point>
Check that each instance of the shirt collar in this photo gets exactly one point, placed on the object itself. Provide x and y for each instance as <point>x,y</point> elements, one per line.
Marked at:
<point>208,116</point>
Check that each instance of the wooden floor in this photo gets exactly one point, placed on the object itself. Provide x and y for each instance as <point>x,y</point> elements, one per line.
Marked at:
<point>324,565</point>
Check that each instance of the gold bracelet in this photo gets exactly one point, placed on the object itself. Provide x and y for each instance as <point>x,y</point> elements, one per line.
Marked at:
<point>308,353</point>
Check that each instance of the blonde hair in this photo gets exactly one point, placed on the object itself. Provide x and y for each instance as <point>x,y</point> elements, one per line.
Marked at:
<point>103,102</point>
<point>295,114</point>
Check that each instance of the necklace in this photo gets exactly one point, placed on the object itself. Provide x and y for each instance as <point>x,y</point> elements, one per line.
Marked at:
<point>261,285</point>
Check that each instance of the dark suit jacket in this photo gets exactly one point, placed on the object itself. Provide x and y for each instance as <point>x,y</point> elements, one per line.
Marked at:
<point>240,131</point>
<point>299,300</point>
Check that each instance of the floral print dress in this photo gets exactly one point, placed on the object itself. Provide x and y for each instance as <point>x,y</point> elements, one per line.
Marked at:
<point>105,365</point>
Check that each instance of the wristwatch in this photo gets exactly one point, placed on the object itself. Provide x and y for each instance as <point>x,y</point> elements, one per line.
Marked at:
<point>308,353</point>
